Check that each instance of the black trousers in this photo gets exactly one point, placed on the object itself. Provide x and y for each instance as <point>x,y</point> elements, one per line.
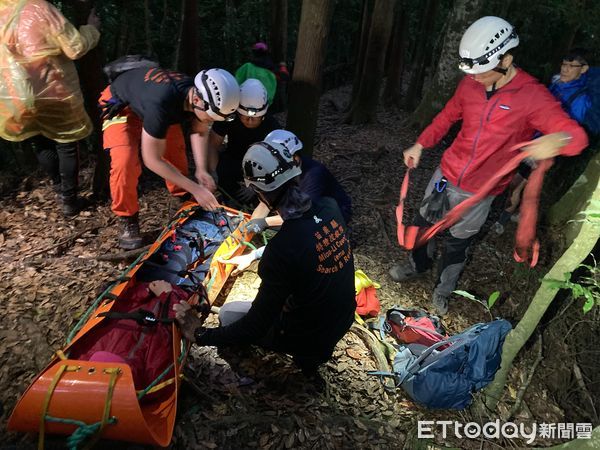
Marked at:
<point>452,262</point>
<point>61,163</point>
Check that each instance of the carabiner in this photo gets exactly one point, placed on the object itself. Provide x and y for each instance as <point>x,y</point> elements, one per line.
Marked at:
<point>441,184</point>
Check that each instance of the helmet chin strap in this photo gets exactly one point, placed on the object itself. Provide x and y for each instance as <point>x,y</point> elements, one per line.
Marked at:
<point>501,70</point>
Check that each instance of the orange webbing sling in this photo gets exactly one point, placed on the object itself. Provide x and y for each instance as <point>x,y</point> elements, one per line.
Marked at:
<point>526,244</point>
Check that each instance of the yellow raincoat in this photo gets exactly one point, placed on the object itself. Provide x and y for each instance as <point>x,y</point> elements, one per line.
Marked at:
<point>39,86</point>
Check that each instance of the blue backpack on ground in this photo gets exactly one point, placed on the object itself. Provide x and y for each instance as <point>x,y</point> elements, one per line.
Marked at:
<point>446,379</point>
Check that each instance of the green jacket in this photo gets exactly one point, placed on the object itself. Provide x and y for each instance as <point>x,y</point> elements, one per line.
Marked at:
<point>265,76</point>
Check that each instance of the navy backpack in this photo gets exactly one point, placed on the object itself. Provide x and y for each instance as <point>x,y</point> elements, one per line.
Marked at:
<point>446,379</point>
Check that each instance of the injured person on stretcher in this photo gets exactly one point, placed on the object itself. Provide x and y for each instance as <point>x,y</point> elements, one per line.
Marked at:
<point>306,300</point>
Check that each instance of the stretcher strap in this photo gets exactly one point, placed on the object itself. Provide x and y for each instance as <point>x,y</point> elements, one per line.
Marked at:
<point>158,387</point>
<point>92,429</point>
<point>105,294</point>
<point>155,385</point>
<point>83,430</point>
<point>526,246</point>
<point>62,369</point>
<point>124,275</point>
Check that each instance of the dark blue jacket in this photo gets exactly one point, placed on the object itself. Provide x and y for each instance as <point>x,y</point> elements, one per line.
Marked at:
<point>317,181</point>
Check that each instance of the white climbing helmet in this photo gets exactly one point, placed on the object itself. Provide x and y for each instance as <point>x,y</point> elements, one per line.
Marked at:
<point>220,91</point>
<point>484,42</point>
<point>269,166</point>
<point>288,139</point>
<point>253,98</point>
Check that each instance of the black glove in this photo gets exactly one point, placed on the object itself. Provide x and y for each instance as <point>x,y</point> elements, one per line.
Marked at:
<point>437,203</point>
<point>245,194</point>
<point>111,108</point>
<point>256,225</point>
<point>198,334</point>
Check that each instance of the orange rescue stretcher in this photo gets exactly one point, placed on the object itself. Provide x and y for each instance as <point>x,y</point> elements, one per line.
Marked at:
<point>90,400</point>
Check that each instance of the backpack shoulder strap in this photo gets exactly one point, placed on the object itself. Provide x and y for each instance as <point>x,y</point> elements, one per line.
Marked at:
<point>414,367</point>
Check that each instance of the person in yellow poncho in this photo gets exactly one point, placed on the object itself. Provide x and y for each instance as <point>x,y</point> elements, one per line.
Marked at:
<point>40,96</point>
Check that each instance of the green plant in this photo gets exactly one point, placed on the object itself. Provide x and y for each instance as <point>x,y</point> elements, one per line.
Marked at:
<point>591,215</point>
<point>588,286</point>
<point>487,304</point>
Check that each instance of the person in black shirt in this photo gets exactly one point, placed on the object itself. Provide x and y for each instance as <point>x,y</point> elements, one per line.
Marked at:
<point>306,302</point>
<point>144,108</point>
<point>251,125</point>
<point>316,181</point>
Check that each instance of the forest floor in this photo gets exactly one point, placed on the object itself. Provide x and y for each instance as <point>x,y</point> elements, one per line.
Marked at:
<point>51,272</point>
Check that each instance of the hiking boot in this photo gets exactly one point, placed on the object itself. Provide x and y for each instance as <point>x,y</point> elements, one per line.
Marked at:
<point>130,237</point>
<point>70,206</point>
<point>440,303</point>
<point>498,226</point>
<point>405,272</point>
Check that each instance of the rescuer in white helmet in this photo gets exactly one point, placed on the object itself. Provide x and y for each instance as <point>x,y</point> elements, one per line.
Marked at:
<point>500,105</point>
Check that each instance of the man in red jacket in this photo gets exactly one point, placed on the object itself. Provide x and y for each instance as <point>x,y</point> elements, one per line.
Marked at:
<point>500,106</point>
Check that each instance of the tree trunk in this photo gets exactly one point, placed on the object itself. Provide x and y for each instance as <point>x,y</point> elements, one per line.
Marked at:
<point>188,62</point>
<point>582,245</point>
<point>229,57</point>
<point>91,79</point>
<point>464,13</point>
<point>565,43</point>
<point>126,31</point>
<point>278,38</point>
<point>305,88</point>
<point>574,200</point>
<point>362,47</point>
<point>422,50</point>
<point>364,105</point>
<point>499,8</point>
<point>147,28</point>
<point>392,93</point>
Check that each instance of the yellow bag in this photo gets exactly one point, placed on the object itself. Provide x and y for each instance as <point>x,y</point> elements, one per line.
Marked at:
<point>362,281</point>
<point>16,91</point>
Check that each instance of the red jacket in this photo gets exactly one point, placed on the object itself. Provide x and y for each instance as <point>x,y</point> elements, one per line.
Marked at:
<point>490,127</point>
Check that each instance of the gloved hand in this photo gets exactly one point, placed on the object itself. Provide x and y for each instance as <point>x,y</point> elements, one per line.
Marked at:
<point>256,225</point>
<point>245,194</point>
<point>242,262</point>
<point>111,108</point>
<point>187,319</point>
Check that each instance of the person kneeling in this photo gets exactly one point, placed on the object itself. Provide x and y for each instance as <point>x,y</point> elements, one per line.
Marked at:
<point>305,303</point>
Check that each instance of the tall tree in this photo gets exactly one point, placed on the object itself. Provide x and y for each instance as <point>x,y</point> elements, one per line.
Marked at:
<point>447,75</point>
<point>424,43</point>
<point>148,28</point>
<point>396,57</point>
<point>188,62</point>
<point>305,88</point>
<point>92,82</point>
<point>584,235</point>
<point>364,104</point>
<point>278,37</point>
<point>365,25</point>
